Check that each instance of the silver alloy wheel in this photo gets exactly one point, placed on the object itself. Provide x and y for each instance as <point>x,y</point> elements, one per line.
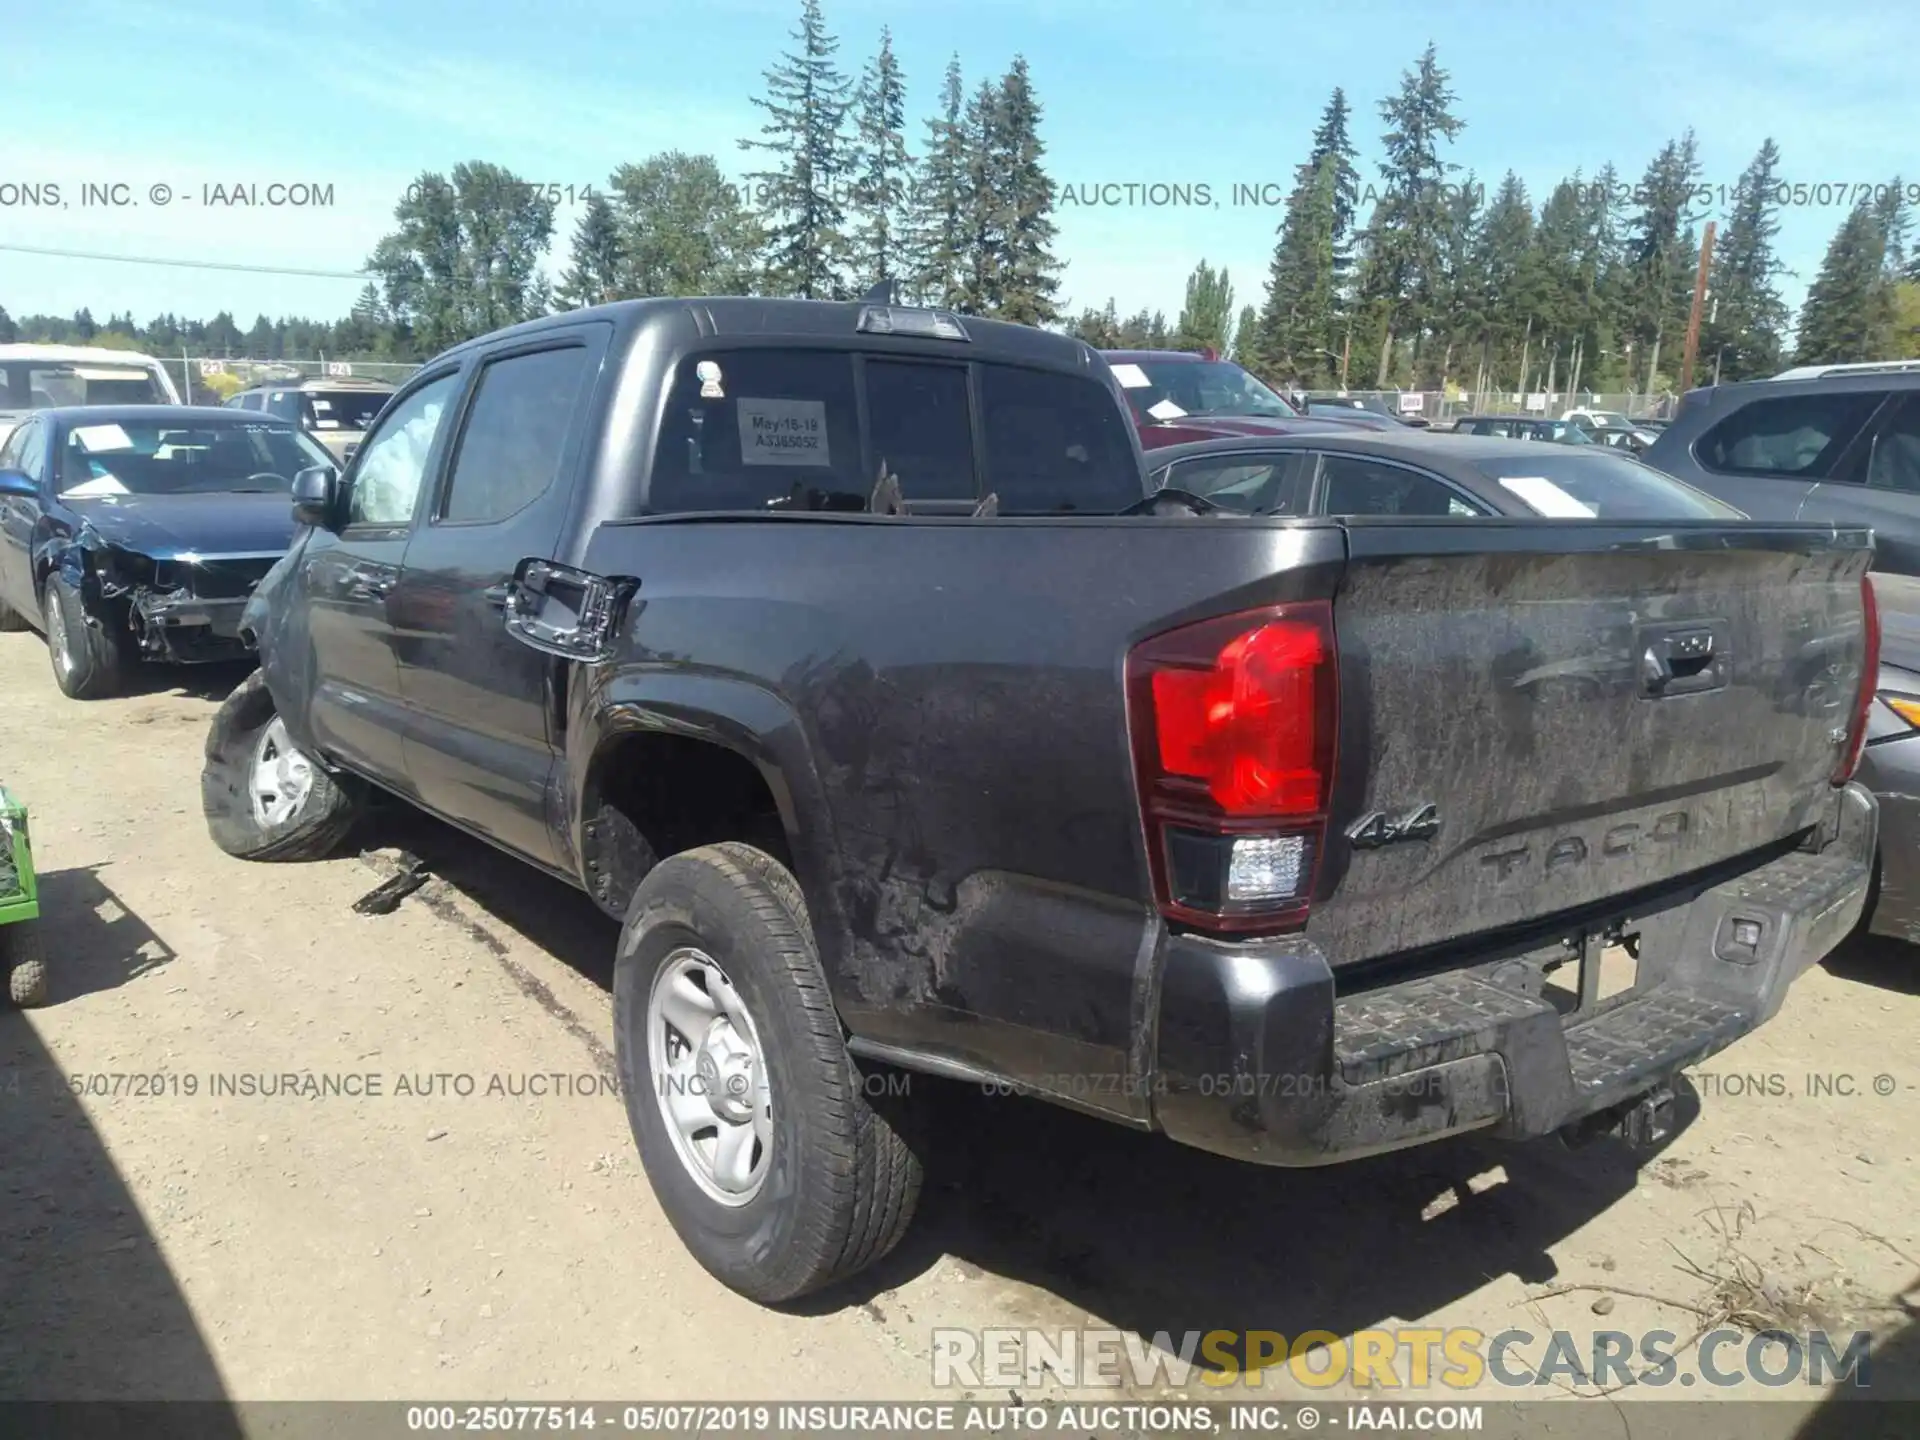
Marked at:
<point>710,1076</point>
<point>57,633</point>
<point>282,777</point>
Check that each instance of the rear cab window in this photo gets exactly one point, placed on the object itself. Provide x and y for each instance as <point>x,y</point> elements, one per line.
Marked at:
<point>782,428</point>
<point>1792,435</point>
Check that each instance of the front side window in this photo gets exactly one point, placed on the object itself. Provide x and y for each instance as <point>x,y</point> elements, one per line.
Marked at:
<point>515,434</point>
<point>394,461</point>
<point>135,457</point>
<point>1796,435</point>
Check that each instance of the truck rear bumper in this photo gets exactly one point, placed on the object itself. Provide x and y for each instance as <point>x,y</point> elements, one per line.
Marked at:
<point>1264,1054</point>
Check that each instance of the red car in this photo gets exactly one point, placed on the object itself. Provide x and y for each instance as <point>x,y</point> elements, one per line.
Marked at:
<point>1177,396</point>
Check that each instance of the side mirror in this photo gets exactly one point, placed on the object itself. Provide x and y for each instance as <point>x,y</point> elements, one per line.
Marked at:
<point>315,489</point>
<point>18,484</point>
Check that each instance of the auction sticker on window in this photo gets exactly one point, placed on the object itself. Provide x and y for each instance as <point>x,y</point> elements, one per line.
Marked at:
<point>782,432</point>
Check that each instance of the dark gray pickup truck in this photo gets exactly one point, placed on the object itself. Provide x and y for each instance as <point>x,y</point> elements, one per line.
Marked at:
<point>838,650</point>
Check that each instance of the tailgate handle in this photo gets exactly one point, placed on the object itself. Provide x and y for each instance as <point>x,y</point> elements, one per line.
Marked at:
<point>1681,659</point>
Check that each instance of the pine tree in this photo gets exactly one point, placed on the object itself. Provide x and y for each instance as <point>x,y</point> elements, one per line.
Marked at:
<point>1662,255</point>
<point>939,199</point>
<point>1330,140</point>
<point>593,276</point>
<point>1207,316</point>
<point>1023,194</point>
<point>981,238</point>
<point>806,106</point>
<point>367,309</point>
<point>9,332</point>
<point>1296,323</point>
<point>1743,335</point>
<point>1099,328</point>
<point>1404,235</point>
<point>1245,333</point>
<point>882,169</point>
<point>1842,321</point>
<point>1503,297</point>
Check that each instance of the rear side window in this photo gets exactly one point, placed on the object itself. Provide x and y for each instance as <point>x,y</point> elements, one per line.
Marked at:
<point>515,434</point>
<point>1056,444</point>
<point>1793,435</point>
<point>1895,462</point>
<point>1277,484</point>
<point>753,429</point>
<point>1358,488</point>
<point>1600,483</point>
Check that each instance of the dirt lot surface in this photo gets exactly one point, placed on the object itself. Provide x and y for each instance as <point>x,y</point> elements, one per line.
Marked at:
<point>479,1226</point>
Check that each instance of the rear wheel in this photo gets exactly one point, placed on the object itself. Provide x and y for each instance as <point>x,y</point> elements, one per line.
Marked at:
<point>89,658</point>
<point>265,798</point>
<point>24,959</point>
<point>761,1139</point>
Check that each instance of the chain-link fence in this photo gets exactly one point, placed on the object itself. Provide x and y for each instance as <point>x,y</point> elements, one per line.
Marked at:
<point>1438,407</point>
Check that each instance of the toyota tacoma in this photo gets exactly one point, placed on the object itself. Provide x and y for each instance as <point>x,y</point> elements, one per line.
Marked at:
<point>840,651</point>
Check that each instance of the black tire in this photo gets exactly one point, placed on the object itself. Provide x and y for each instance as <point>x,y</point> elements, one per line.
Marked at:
<point>842,1178</point>
<point>25,961</point>
<point>11,619</point>
<point>89,659</point>
<point>226,788</point>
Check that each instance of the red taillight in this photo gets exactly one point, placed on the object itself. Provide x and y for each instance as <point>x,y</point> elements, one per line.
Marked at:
<point>1233,732</point>
<point>1869,677</point>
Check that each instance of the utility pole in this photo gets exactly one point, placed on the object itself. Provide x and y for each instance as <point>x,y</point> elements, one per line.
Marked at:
<point>1693,315</point>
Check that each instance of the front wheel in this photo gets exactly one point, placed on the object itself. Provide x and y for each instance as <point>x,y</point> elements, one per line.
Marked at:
<point>89,658</point>
<point>264,798</point>
<point>763,1142</point>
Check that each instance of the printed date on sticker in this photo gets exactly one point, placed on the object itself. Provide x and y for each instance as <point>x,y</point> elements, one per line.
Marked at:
<point>782,432</point>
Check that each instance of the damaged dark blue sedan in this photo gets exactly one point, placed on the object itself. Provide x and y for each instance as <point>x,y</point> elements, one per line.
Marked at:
<point>137,533</point>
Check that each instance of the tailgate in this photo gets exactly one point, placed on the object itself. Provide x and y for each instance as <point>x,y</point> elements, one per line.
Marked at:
<point>1586,710</point>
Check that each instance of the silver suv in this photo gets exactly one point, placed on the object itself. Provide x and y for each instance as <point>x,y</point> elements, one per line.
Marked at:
<point>336,412</point>
<point>1822,442</point>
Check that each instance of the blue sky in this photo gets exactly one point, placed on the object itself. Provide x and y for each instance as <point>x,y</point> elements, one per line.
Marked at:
<point>362,95</point>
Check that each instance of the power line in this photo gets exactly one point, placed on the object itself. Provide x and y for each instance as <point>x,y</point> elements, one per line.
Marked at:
<point>188,264</point>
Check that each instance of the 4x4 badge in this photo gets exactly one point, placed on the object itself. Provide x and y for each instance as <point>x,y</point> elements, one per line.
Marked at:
<point>1378,828</point>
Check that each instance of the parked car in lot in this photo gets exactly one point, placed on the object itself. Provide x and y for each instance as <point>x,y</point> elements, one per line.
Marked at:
<point>1630,438</point>
<point>1837,443</point>
<point>1521,427</point>
<point>1352,414</point>
<point>42,377</point>
<point>137,532</point>
<point>842,653</point>
<point>1176,396</point>
<point>335,411</point>
<point>1415,473</point>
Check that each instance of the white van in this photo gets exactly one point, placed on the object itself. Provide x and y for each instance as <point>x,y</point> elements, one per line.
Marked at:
<point>41,377</point>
